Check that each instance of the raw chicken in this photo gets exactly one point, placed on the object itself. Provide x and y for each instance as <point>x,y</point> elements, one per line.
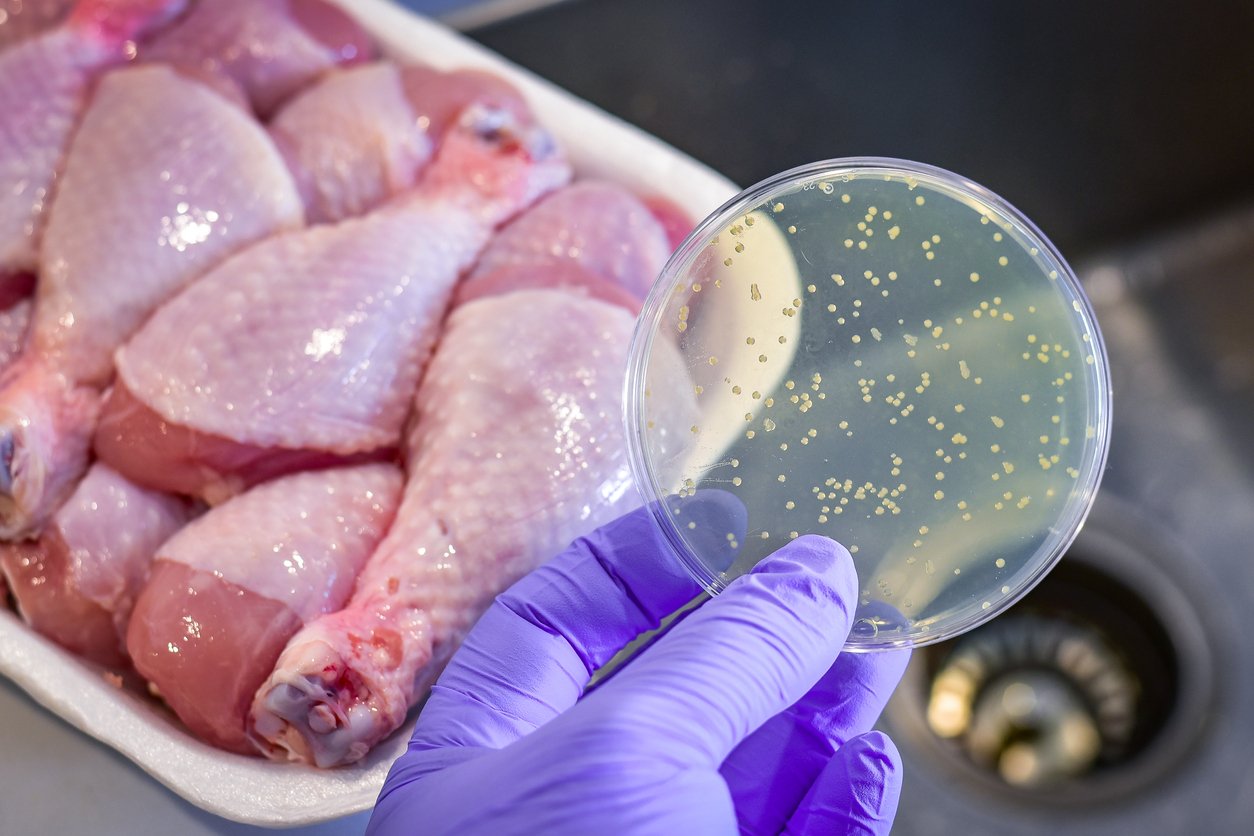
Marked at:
<point>517,448</point>
<point>563,274</point>
<point>232,587</point>
<point>268,48</point>
<point>439,98</point>
<point>362,135</point>
<point>591,227</point>
<point>20,19</point>
<point>677,222</point>
<point>77,583</point>
<point>15,289</point>
<point>14,322</point>
<point>44,83</point>
<point>351,140</point>
<point>309,346</point>
<point>164,179</point>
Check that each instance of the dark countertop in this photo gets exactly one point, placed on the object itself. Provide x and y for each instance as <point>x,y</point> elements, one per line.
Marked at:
<point>1101,121</point>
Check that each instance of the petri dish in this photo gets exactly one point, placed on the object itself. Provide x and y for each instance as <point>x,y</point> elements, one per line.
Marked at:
<point>885,353</point>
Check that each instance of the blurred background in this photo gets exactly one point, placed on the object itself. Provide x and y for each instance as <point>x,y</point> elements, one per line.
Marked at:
<point>1118,697</point>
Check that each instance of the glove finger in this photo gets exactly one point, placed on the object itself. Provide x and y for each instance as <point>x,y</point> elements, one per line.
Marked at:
<point>531,654</point>
<point>738,660</point>
<point>856,793</point>
<point>772,769</point>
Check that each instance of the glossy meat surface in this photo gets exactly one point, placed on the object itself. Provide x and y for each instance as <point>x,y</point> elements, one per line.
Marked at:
<point>14,322</point>
<point>595,225</point>
<point>176,458</point>
<point>163,180</point>
<point>559,275</point>
<point>517,448</point>
<point>439,98</point>
<point>77,583</point>
<point>45,81</point>
<point>352,140</point>
<point>21,19</point>
<point>204,644</point>
<point>270,49</point>
<point>315,340</point>
<point>43,87</point>
<point>232,587</point>
<point>361,136</point>
<point>301,341</point>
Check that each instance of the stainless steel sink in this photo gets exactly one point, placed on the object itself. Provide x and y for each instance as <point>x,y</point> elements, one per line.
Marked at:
<point>1165,564</point>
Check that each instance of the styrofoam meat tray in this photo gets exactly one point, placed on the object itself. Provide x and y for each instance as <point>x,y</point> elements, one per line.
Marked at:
<point>258,791</point>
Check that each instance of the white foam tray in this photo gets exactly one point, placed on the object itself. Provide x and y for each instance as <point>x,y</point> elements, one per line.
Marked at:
<point>257,791</point>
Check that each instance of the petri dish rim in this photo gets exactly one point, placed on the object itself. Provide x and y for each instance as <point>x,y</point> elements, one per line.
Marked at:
<point>648,325</point>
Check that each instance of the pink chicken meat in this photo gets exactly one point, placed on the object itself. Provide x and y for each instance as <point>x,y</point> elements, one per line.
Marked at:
<point>517,448</point>
<point>266,49</point>
<point>362,135</point>
<point>44,85</point>
<point>164,179</point>
<point>593,240</point>
<point>14,322</point>
<point>20,19</point>
<point>351,140</point>
<point>232,587</point>
<point>592,235</point>
<point>307,348</point>
<point>77,583</point>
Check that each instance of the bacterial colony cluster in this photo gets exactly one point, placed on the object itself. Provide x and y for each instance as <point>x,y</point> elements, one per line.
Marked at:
<point>896,364</point>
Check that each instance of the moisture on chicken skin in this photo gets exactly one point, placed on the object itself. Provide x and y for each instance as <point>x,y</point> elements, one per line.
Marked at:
<point>163,179</point>
<point>77,582</point>
<point>363,135</point>
<point>267,49</point>
<point>229,589</point>
<point>314,341</point>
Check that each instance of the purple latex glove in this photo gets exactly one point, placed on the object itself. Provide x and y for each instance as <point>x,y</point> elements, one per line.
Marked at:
<point>744,715</point>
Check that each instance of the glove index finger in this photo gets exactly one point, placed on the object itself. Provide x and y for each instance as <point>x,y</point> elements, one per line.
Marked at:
<point>743,657</point>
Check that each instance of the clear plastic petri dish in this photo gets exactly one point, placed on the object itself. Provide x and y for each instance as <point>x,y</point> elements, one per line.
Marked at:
<point>887,354</point>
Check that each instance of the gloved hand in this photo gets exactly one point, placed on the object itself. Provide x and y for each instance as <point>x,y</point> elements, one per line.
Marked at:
<point>737,717</point>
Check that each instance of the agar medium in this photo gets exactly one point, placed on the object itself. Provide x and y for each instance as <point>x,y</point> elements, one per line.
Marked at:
<point>887,354</point>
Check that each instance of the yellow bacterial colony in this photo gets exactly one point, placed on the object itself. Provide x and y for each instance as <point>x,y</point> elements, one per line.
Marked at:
<point>895,363</point>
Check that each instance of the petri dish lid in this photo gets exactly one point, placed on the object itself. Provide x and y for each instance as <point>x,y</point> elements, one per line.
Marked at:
<point>885,353</point>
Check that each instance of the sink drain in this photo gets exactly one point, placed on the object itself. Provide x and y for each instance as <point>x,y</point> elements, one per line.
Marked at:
<point>1092,686</point>
<point>1077,679</point>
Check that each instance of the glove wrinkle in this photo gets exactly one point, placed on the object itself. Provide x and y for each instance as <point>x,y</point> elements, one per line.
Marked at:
<point>856,793</point>
<point>607,560</point>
